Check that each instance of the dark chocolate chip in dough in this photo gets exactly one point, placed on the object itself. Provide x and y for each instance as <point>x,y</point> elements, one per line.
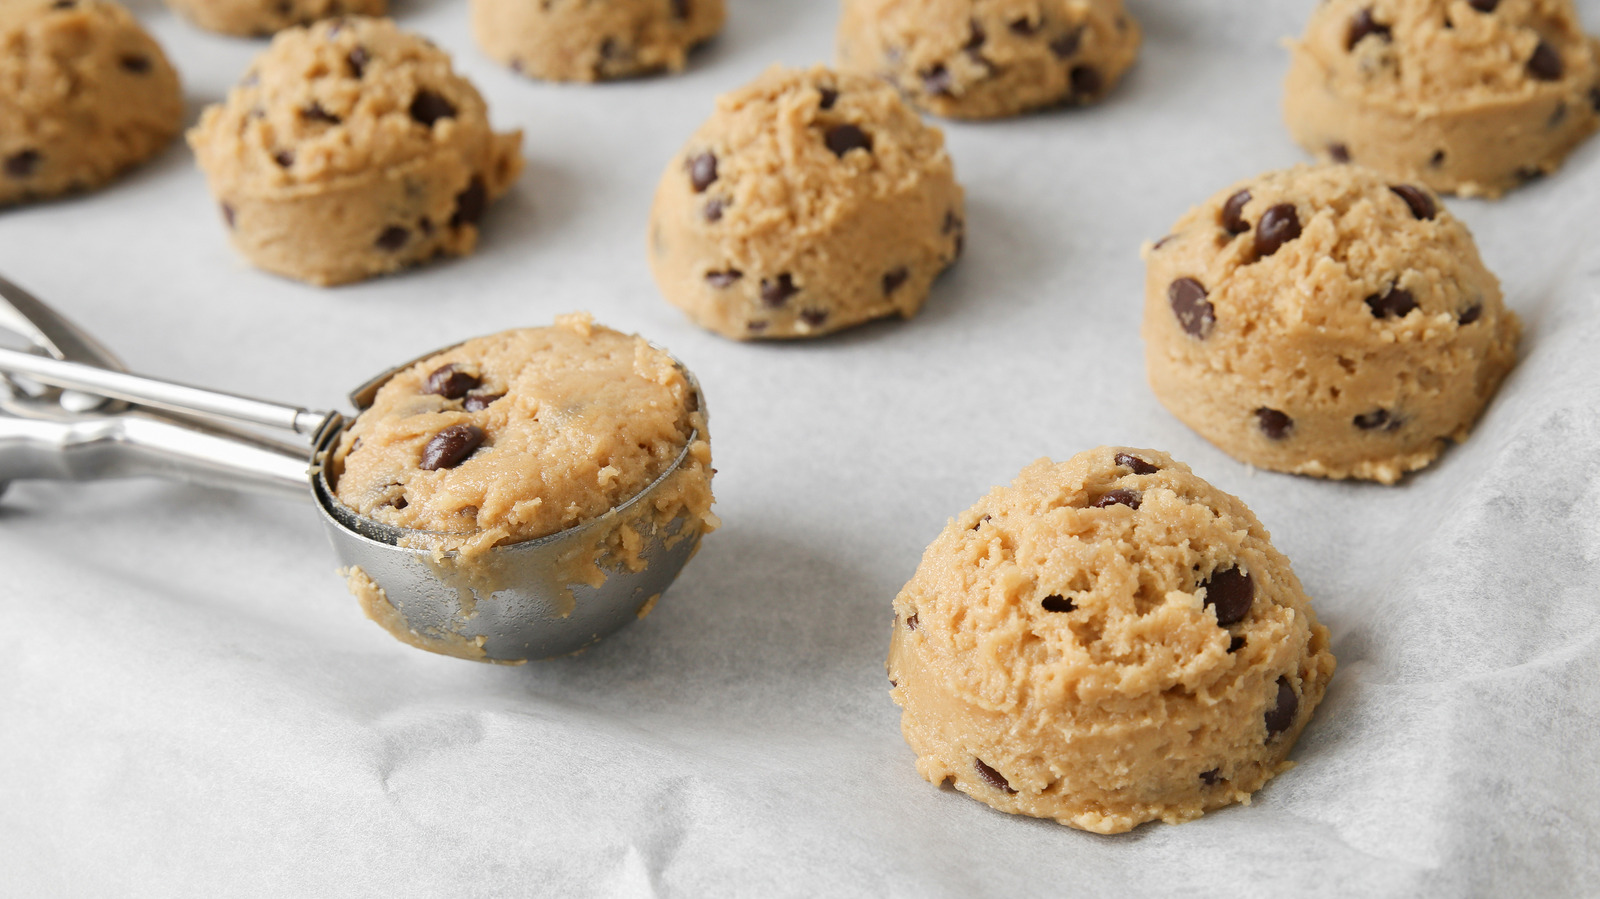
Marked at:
<point>1470,314</point>
<point>64,4</point>
<point>315,113</point>
<point>1129,498</point>
<point>399,502</point>
<point>723,278</point>
<point>1361,25</point>
<point>284,158</point>
<point>1230,593</point>
<point>357,59</point>
<point>1483,5</point>
<point>1024,26</point>
<point>1085,81</point>
<point>1279,225</point>
<point>755,327</point>
<point>911,623</point>
<point>470,204</point>
<point>1273,423</point>
<point>1235,644</point>
<point>702,171</point>
<point>1437,159</point>
<point>1233,220</point>
<point>135,64</point>
<point>1376,420</point>
<point>1191,307</point>
<point>1545,63</point>
<point>1057,603</point>
<point>714,209</point>
<point>975,37</point>
<point>1557,116</point>
<point>680,9</point>
<point>450,447</point>
<point>1422,205</point>
<point>777,291</point>
<point>425,225</point>
<point>450,382</point>
<point>1211,778</point>
<point>814,317</point>
<point>1395,302</point>
<point>1136,464</point>
<point>428,107</point>
<point>937,81</point>
<point>841,139</point>
<point>1067,44</point>
<point>992,777</point>
<point>893,280</point>
<point>1282,713</point>
<point>393,238</point>
<point>477,402</point>
<point>1164,241</point>
<point>826,97</point>
<point>1594,98</point>
<point>1338,152</point>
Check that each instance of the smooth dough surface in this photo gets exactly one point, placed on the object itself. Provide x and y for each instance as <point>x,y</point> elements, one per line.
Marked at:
<point>581,40</point>
<point>351,149</point>
<point>1473,98</point>
<point>980,59</point>
<point>810,201</point>
<point>525,433</point>
<point>1108,641</point>
<point>85,94</point>
<point>258,18</point>
<point>1325,321</point>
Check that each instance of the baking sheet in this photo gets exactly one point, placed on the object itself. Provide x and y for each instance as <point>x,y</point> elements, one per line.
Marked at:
<point>190,703</point>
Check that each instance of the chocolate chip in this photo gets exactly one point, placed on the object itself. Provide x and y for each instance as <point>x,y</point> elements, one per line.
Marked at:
<point>981,521</point>
<point>1529,173</point>
<point>1085,81</point>
<point>841,139</point>
<point>702,171</point>
<point>1378,419</point>
<point>1395,302</point>
<point>1233,220</point>
<point>470,204</point>
<point>450,382</point>
<point>755,327</point>
<point>1437,159</point>
<point>23,164</point>
<point>827,96</point>
<point>284,158</point>
<point>477,402</point>
<point>992,777</point>
<point>315,113</point>
<point>937,81</point>
<point>428,107</point>
<point>1557,116</point>
<point>1483,5</point>
<point>814,317</point>
<point>1164,241</point>
<point>911,623</point>
<point>1545,63</point>
<point>1024,27</point>
<point>1194,312</point>
<point>723,278</point>
<point>1229,593</point>
<point>951,223</point>
<point>1470,314</point>
<point>893,682</point>
<point>1422,205</point>
<point>1281,715</point>
<point>680,9</point>
<point>357,59</point>
<point>1279,225</point>
<point>1338,152</point>
<point>1273,423</point>
<point>227,215</point>
<point>393,238</point>
<point>398,502</point>
<point>64,4</point>
<point>777,291</point>
<point>893,280</point>
<point>450,447</point>
<point>1594,98</point>
<point>1067,44</point>
<point>1211,778</point>
<point>1361,25</point>
<point>976,36</point>
<point>1129,498</point>
<point>425,225</point>
<point>1138,465</point>
<point>1057,603</point>
<point>714,209</point>
<point>138,65</point>
<point>1235,644</point>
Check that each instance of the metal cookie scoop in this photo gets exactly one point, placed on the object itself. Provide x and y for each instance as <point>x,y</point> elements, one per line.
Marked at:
<point>70,411</point>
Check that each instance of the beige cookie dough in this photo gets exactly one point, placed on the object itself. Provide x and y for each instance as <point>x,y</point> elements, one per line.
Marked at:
<point>525,433</point>
<point>258,18</point>
<point>1325,321</point>
<point>351,149</point>
<point>85,94</point>
<point>1108,641</point>
<point>1472,97</point>
<point>582,40</point>
<point>983,59</point>
<point>810,201</point>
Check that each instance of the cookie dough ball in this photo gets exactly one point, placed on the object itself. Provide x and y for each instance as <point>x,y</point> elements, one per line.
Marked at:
<point>350,150</point>
<point>85,94</point>
<point>580,40</point>
<point>1325,321</point>
<point>248,18</point>
<point>809,202</point>
<point>1472,97</point>
<point>982,59</point>
<point>525,433</point>
<point>1108,641</point>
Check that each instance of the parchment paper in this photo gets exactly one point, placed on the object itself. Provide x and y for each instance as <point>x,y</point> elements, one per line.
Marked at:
<point>191,705</point>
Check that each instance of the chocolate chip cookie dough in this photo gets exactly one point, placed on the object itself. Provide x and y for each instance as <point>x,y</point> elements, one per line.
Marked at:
<point>580,40</point>
<point>85,94</point>
<point>1108,641</point>
<point>1472,97</point>
<point>982,59</point>
<point>521,434</point>
<point>258,18</point>
<point>351,149</point>
<point>1325,321</point>
<point>810,201</point>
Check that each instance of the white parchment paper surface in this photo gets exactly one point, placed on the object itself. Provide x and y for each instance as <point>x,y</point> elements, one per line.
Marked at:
<point>191,705</point>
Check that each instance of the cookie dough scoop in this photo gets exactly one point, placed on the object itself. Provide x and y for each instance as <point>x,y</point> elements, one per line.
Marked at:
<point>1107,641</point>
<point>518,496</point>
